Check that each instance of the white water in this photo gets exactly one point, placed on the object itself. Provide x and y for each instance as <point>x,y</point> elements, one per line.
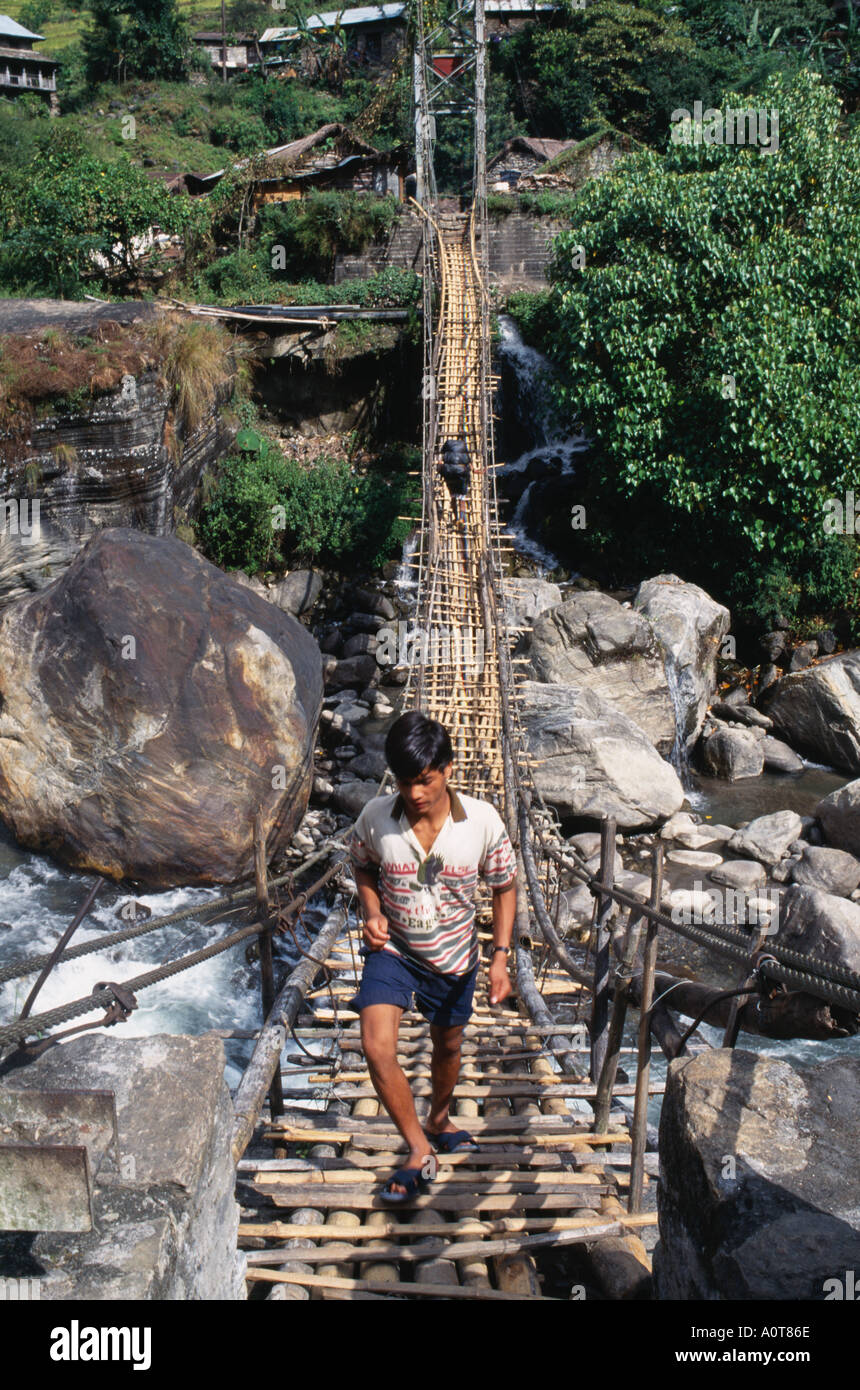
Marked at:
<point>680,760</point>
<point>534,405</point>
<point>38,899</point>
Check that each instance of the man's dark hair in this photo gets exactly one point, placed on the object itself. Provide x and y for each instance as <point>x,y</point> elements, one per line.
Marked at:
<point>415,742</point>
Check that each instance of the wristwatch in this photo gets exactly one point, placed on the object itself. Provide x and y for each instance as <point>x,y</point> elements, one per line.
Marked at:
<point>506,949</point>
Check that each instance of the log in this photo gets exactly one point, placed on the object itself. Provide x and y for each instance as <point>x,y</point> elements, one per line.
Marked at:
<point>279,1230</point>
<point>455,1250</point>
<point>646,1023</point>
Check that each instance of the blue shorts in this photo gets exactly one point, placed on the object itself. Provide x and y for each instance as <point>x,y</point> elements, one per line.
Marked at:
<point>389,979</point>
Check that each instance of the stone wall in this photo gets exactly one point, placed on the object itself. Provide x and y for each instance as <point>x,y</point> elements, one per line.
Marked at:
<point>519,250</point>
<point>166,1218</point>
<point>402,250</point>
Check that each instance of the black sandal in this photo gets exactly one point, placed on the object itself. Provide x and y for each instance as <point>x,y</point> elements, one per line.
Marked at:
<point>410,1178</point>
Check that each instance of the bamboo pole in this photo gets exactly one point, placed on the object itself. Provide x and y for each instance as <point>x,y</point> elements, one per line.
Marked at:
<point>600,998</point>
<point>267,969</point>
<point>643,1066</point>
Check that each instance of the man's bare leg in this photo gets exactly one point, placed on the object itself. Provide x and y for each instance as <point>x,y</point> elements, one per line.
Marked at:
<point>444,1070</point>
<point>380,1024</point>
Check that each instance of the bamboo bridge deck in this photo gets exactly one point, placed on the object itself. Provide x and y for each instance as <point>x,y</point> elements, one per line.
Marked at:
<point>542,1177</point>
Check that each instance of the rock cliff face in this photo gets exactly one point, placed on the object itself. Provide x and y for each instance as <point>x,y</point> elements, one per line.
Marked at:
<point>113,451</point>
<point>148,706</point>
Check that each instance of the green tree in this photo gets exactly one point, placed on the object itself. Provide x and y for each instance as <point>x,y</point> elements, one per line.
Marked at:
<point>710,346</point>
<point>136,38</point>
<point>329,512</point>
<point>609,62</point>
<point>72,218</point>
<point>35,15</point>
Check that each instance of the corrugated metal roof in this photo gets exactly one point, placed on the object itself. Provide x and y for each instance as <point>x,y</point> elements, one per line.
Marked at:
<point>515,7</point>
<point>12,30</point>
<point>362,14</point>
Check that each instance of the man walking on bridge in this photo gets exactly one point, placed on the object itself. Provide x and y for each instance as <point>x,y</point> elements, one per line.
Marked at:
<point>417,857</point>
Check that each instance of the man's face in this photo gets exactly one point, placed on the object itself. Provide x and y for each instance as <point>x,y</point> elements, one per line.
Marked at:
<point>428,792</point>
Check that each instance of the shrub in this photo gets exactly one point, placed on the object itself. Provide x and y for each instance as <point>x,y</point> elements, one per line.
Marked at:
<point>313,229</point>
<point>533,313</point>
<point>241,132</point>
<point>331,513</point>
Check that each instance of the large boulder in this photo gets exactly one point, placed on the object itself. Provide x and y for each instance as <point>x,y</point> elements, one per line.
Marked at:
<point>758,1178</point>
<point>691,626</point>
<point>149,705</point>
<point>297,592</point>
<point>733,752</point>
<point>818,710</point>
<point>831,870</point>
<point>820,924</point>
<point>591,760</point>
<point>839,814</point>
<point>767,838</point>
<point>778,757</point>
<point>526,599</point>
<point>164,1206</point>
<point>594,643</point>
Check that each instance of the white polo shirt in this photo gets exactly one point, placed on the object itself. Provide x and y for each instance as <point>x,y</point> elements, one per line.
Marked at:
<point>428,896</point>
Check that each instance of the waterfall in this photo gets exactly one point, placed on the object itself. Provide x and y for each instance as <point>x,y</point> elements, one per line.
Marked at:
<point>679,759</point>
<point>406,578</point>
<point>551,452</point>
<point>533,375</point>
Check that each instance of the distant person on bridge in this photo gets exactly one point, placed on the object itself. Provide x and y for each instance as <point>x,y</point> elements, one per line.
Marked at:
<point>456,472</point>
<point>417,856</point>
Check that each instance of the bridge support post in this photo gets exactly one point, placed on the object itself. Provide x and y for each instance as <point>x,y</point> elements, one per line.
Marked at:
<point>601,994</point>
<point>643,1061</point>
<point>267,970</point>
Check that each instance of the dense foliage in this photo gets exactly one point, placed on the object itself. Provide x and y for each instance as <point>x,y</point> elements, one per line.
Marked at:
<point>632,64</point>
<point>330,513</point>
<point>311,230</point>
<point>70,219</point>
<point>608,61</point>
<point>135,38</point>
<point>711,347</point>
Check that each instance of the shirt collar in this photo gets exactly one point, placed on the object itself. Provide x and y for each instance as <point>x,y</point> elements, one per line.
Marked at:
<point>458,812</point>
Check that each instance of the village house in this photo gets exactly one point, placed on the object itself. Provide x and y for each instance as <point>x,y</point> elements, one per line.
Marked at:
<point>242,50</point>
<point>377,34</point>
<point>21,67</point>
<point>507,16</point>
<point>519,157</point>
<point>331,157</point>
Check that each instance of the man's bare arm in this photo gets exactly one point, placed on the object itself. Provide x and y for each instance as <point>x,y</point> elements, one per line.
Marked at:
<point>375,924</point>
<point>504,911</point>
